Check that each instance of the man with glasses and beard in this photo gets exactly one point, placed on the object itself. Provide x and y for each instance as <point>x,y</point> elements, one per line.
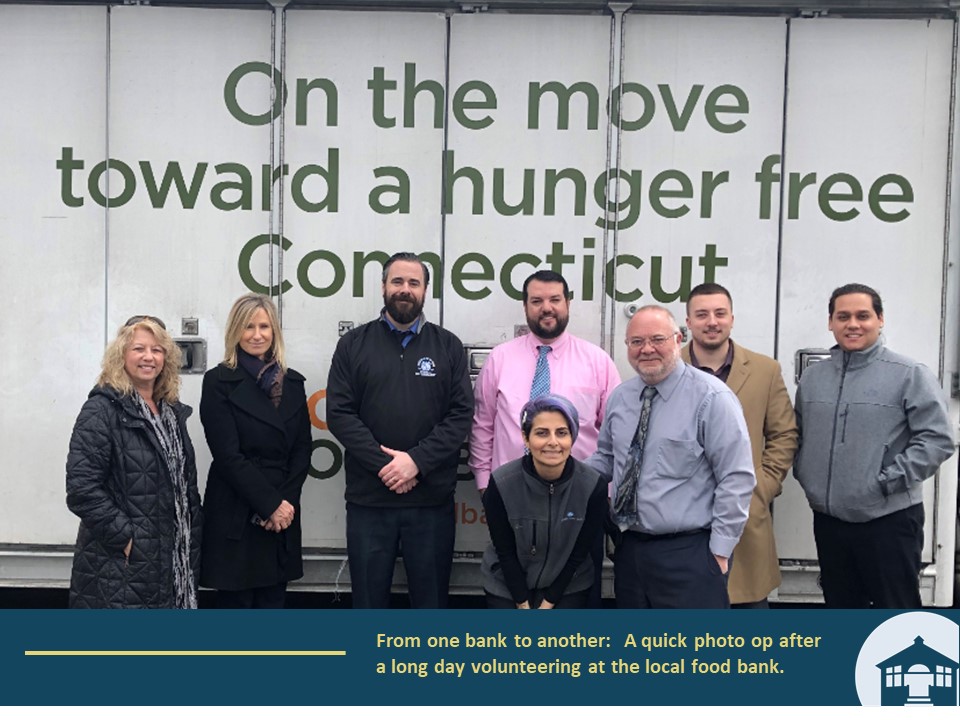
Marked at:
<point>676,443</point>
<point>399,400</point>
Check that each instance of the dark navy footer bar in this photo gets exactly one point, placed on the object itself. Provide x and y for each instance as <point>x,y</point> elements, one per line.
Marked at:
<point>472,657</point>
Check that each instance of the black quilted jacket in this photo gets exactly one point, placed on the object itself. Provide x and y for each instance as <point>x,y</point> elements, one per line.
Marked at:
<point>119,486</point>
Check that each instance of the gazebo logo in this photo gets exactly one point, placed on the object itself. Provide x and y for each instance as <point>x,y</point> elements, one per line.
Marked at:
<point>910,659</point>
<point>918,675</point>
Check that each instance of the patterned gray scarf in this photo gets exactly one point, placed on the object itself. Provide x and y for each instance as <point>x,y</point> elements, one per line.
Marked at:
<point>168,434</point>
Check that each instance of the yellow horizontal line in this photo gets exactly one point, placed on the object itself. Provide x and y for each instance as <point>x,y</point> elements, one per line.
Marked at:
<point>73,653</point>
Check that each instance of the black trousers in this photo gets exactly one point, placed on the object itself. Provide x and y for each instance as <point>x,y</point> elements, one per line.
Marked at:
<point>271,597</point>
<point>871,564</point>
<point>595,594</point>
<point>758,605</point>
<point>668,571</point>
<point>422,536</point>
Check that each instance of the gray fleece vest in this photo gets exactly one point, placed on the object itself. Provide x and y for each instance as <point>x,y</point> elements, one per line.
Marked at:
<point>546,525</point>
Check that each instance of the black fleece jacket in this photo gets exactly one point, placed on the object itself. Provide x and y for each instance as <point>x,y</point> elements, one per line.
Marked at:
<point>417,399</point>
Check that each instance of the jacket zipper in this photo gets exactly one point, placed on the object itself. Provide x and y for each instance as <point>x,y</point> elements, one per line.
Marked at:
<point>546,555</point>
<point>833,435</point>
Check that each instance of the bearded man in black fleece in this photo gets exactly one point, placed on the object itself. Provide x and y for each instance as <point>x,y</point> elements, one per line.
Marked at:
<point>400,402</point>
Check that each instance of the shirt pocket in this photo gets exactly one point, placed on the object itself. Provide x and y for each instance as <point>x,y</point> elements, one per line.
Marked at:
<point>678,459</point>
<point>587,402</point>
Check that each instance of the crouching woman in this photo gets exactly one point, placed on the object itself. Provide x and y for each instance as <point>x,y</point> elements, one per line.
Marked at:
<point>544,512</point>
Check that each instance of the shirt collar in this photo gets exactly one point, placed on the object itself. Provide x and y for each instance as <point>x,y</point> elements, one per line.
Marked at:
<point>556,347</point>
<point>859,358</point>
<point>531,469</point>
<point>727,361</point>
<point>414,329</point>
<point>666,386</point>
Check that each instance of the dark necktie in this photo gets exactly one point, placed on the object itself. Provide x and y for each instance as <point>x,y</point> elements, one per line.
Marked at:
<point>625,503</point>
<point>541,376</point>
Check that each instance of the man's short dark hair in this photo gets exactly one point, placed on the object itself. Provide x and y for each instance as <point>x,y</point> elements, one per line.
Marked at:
<point>709,289</point>
<point>546,276</point>
<point>850,289</point>
<point>408,257</point>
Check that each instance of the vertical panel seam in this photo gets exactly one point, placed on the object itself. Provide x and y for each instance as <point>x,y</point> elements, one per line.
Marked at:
<point>616,219</point>
<point>948,200</point>
<point>271,217</point>
<point>445,147</point>
<point>106,205</point>
<point>606,313</point>
<point>281,158</point>
<point>783,184</point>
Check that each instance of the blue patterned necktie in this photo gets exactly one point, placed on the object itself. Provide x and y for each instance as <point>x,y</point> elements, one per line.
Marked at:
<point>625,503</point>
<point>541,376</point>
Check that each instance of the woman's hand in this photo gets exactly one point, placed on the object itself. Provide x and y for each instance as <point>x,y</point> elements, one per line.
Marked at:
<point>525,605</point>
<point>281,518</point>
<point>545,605</point>
<point>128,548</point>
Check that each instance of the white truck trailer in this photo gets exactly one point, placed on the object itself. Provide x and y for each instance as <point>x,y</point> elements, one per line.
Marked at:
<point>164,159</point>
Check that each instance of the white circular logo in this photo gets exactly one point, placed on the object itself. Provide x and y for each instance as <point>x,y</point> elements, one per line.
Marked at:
<point>911,659</point>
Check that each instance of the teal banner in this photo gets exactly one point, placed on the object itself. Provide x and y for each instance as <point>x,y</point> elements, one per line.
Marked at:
<point>470,657</point>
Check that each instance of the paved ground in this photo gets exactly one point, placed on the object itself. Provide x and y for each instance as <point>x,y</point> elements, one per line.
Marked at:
<point>28,599</point>
<point>11,598</point>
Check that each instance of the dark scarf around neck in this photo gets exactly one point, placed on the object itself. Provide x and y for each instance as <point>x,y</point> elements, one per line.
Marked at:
<point>268,374</point>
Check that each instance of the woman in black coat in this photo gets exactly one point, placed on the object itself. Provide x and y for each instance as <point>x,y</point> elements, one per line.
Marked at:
<point>255,418</point>
<point>132,480</point>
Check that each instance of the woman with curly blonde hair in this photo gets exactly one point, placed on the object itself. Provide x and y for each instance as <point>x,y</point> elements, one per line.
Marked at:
<point>132,479</point>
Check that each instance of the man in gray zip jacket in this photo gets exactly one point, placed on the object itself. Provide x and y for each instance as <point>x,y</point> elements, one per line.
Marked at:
<point>873,426</point>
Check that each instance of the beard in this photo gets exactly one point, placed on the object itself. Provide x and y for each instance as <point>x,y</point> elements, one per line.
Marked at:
<point>406,313</point>
<point>652,376</point>
<point>711,344</point>
<point>541,332</point>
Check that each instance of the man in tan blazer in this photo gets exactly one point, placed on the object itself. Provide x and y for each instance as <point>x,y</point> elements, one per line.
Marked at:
<point>757,381</point>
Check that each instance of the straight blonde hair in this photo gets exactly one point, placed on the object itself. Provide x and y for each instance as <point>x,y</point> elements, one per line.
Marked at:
<point>114,374</point>
<point>240,316</point>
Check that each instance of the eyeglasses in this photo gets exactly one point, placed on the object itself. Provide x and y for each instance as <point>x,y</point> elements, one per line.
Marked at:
<point>657,341</point>
<point>140,318</point>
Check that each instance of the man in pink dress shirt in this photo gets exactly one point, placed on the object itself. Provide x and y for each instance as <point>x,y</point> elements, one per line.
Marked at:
<point>579,370</point>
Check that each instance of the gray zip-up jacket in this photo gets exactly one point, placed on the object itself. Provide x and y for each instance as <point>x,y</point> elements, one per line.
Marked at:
<point>873,426</point>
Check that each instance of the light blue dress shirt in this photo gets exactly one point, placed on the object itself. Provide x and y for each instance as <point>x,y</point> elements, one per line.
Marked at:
<point>697,467</point>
